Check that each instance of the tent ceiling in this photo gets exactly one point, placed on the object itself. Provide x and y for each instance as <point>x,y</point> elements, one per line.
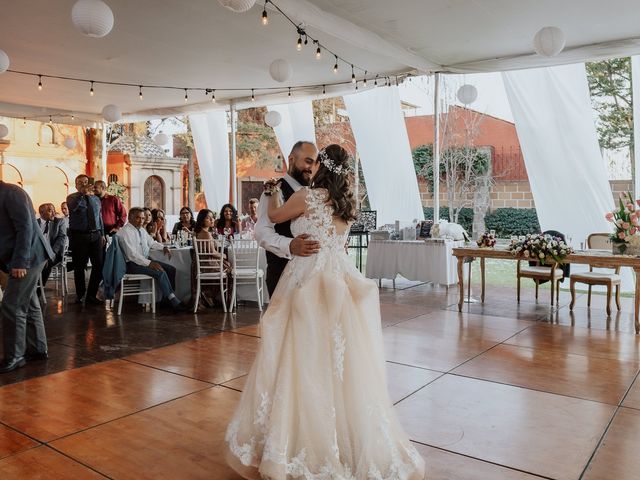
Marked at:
<point>198,43</point>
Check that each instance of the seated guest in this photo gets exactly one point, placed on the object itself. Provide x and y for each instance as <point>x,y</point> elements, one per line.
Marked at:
<point>186,223</point>
<point>113,213</point>
<point>136,244</point>
<point>204,230</point>
<point>148,218</point>
<point>151,229</point>
<point>228,223</point>
<point>158,218</point>
<point>249,224</point>
<point>55,231</point>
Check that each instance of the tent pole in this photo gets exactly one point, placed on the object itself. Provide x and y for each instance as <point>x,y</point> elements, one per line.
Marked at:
<point>436,150</point>
<point>234,170</point>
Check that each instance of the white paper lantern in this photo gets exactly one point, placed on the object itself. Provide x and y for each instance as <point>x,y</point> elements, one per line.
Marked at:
<point>467,94</point>
<point>280,70</point>
<point>273,119</point>
<point>161,139</point>
<point>549,41</point>
<point>111,113</point>
<point>4,130</point>
<point>4,61</point>
<point>70,143</point>
<point>238,6</point>
<point>93,18</point>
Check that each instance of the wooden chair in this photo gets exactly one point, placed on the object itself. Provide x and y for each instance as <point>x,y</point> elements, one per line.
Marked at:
<point>541,273</point>
<point>598,241</point>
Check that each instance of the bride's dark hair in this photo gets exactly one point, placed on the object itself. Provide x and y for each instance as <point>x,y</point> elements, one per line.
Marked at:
<point>337,184</point>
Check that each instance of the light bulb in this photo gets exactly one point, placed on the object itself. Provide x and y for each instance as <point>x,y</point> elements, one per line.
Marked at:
<point>39,82</point>
<point>324,89</point>
<point>186,96</point>
<point>140,92</point>
<point>353,75</point>
<point>91,90</point>
<point>318,53</point>
<point>213,96</point>
<point>289,91</point>
<point>265,18</point>
<point>335,67</point>
<point>253,98</point>
<point>299,45</point>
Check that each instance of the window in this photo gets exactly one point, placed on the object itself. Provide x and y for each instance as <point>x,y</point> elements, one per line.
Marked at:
<point>154,192</point>
<point>113,178</point>
<point>46,135</point>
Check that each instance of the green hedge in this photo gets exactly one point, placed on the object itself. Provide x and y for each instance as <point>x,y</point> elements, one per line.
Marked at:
<point>512,221</point>
<point>505,221</point>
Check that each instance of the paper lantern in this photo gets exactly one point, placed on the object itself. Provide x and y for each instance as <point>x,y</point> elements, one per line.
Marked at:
<point>4,61</point>
<point>280,70</point>
<point>161,139</point>
<point>70,143</point>
<point>467,94</point>
<point>111,113</point>
<point>93,18</point>
<point>4,130</point>
<point>273,119</point>
<point>549,41</point>
<point>238,6</point>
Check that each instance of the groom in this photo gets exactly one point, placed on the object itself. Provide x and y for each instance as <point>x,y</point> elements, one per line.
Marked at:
<point>277,239</point>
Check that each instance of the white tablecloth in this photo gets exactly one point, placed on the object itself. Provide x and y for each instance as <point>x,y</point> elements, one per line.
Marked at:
<point>419,260</point>
<point>181,260</point>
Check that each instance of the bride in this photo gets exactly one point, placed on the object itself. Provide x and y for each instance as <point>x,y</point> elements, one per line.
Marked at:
<point>315,405</point>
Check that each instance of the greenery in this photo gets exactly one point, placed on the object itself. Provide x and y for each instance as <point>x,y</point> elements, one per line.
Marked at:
<point>465,217</point>
<point>512,221</point>
<point>118,190</point>
<point>423,160</point>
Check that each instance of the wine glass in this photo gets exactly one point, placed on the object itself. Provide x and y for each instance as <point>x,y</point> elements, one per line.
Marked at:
<point>227,232</point>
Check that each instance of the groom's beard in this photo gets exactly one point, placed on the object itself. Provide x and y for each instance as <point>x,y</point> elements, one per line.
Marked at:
<point>300,177</point>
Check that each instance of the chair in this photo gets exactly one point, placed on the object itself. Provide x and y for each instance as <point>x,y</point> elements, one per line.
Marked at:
<point>40,288</point>
<point>134,284</point>
<point>599,241</point>
<point>209,269</point>
<point>245,257</point>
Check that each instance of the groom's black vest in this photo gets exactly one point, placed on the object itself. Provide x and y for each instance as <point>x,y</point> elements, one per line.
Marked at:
<point>276,264</point>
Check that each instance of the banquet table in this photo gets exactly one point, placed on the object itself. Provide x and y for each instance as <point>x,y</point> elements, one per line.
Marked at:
<point>427,260</point>
<point>593,258</point>
<point>181,260</point>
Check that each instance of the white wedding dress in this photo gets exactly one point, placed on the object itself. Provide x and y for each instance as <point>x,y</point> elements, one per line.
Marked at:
<point>315,404</point>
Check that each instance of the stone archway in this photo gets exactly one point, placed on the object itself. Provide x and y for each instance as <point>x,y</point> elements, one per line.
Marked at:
<point>10,174</point>
<point>51,185</point>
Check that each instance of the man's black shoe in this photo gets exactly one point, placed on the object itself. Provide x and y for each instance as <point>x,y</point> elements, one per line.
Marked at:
<point>79,300</point>
<point>30,357</point>
<point>94,301</point>
<point>10,364</point>
<point>180,308</point>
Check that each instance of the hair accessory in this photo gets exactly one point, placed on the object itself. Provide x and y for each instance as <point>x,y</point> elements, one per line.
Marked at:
<point>331,165</point>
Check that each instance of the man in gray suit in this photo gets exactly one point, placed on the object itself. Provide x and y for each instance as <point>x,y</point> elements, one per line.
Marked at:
<point>55,231</point>
<point>23,254</point>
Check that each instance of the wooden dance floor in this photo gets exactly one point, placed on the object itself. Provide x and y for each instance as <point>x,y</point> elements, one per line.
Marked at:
<point>499,391</point>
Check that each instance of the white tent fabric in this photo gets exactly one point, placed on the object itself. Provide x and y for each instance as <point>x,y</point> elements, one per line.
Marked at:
<point>635,79</point>
<point>211,140</point>
<point>297,124</point>
<point>383,144</point>
<point>555,125</point>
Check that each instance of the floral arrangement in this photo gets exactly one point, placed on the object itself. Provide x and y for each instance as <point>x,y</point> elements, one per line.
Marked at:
<point>626,221</point>
<point>543,248</point>
<point>486,240</point>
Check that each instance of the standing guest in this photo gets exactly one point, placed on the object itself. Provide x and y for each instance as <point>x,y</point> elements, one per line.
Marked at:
<point>148,218</point>
<point>249,224</point>
<point>86,239</point>
<point>136,244</point>
<point>159,219</point>
<point>23,254</point>
<point>228,224</point>
<point>186,223</point>
<point>65,210</point>
<point>55,231</point>
<point>114,216</point>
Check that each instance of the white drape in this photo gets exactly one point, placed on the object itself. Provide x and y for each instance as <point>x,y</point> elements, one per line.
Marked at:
<point>211,140</point>
<point>383,144</point>
<point>297,124</point>
<point>555,124</point>
<point>635,77</point>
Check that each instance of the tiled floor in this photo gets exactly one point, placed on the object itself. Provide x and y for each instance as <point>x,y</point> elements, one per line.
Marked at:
<point>501,391</point>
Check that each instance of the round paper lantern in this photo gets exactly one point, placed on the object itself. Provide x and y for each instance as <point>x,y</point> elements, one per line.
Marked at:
<point>4,130</point>
<point>111,113</point>
<point>280,70</point>
<point>272,119</point>
<point>4,61</point>
<point>93,18</point>
<point>467,94</point>
<point>238,6</point>
<point>549,41</point>
<point>161,139</point>
<point>70,143</point>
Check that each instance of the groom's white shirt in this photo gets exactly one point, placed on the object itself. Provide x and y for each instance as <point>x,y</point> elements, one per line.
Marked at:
<point>265,231</point>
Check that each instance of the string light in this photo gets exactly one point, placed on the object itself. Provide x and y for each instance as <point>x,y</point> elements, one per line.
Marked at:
<point>364,82</point>
<point>91,90</point>
<point>299,45</point>
<point>335,67</point>
<point>24,120</point>
<point>289,91</point>
<point>50,120</point>
<point>73,117</point>
<point>318,52</point>
<point>265,17</point>
<point>140,92</point>
<point>213,96</point>
<point>353,75</point>
<point>324,89</point>
<point>39,82</point>
<point>375,81</point>
<point>186,96</point>
<point>253,97</point>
